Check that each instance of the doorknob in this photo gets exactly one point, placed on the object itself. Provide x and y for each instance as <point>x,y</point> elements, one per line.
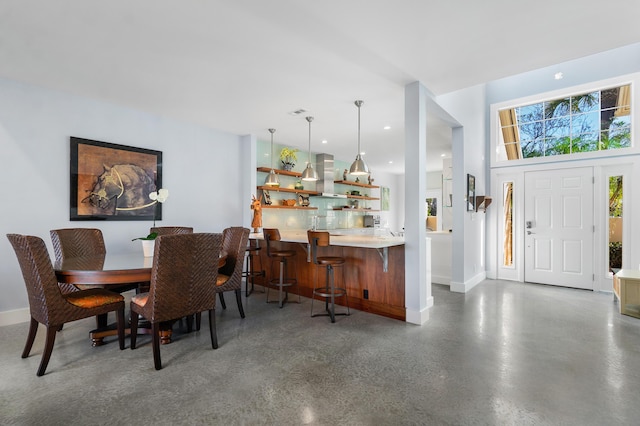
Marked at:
<point>529,232</point>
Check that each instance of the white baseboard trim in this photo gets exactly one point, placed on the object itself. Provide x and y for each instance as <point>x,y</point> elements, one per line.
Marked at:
<point>419,317</point>
<point>441,279</point>
<point>14,317</point>
<point>468,285</point>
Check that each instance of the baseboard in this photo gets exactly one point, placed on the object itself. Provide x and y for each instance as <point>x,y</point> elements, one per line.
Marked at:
<point>15,316</point>
<point>468,285</point>
<point>419,317</point>
<point>440,279</point>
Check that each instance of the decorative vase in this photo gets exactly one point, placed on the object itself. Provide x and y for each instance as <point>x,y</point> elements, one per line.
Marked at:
<point>148,247</point>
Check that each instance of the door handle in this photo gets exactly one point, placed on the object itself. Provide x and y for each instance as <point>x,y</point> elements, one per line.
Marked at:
<point>529,232</point>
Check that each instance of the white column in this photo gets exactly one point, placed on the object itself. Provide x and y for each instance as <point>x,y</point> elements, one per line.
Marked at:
<point>417,293</point>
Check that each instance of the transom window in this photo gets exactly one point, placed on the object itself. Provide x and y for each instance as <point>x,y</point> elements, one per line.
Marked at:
<point>586,122</point>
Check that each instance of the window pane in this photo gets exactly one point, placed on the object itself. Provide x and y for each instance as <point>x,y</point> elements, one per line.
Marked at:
<point>585,142</point>
<point>583,123</point>
<point>556,108</point>
<point>557,127</point>
<point>585,102</point>
<point>558,146</point>
<point>529,113</point>
<point>534,148</point>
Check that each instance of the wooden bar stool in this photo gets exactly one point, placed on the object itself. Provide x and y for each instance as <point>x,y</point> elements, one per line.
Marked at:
<point>251,271</point>
<point>283,281</point>
<point>329,291</point>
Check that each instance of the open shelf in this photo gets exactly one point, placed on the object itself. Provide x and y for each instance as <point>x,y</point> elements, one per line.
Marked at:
<point>280,189</point>
<point>354,210</point>
<point>279,172</point>
<point>348,182</point>
<point>264,206</point>
<point>362,197</point>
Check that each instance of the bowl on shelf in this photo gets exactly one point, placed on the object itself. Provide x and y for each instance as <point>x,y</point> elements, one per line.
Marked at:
<point>289,203</point>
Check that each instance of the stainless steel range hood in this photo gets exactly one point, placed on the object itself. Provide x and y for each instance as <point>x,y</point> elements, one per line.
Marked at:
<point>324,185</point>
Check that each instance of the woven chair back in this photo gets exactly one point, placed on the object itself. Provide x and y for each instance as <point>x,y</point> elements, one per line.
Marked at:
<point>171,230</point>
<point>235,241</point>
<point>184,274</point>
<point>45,300</point>
<point>77,242</point>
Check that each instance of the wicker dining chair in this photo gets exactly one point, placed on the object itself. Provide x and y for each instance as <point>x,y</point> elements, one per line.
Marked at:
<point>183,277</point>
<point>234,243</point>
<point>76,242</point>
<point>84,242</point>
<point>48,305</point>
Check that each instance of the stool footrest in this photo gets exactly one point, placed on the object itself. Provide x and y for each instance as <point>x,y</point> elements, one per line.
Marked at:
<point>327,292</point>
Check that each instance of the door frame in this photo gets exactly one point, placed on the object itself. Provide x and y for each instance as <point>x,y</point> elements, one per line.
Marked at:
<point>602,169</point>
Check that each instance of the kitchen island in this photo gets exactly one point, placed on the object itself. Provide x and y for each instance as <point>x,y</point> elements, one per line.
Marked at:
<point>373,271</point>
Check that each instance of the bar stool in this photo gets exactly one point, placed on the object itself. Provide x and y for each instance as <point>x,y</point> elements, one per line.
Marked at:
<point>329,291</point>
<point>283,281</point>
<point>252,255</point>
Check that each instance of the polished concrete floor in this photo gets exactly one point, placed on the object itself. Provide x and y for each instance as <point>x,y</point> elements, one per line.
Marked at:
<point>503,354</point>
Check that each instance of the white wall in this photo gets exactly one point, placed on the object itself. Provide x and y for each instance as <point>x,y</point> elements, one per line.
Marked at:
<point>202,170</point>
<point>467,106</point>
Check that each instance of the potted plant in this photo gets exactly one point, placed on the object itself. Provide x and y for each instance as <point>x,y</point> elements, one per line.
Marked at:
<point>148,242</point>
<point>288,158</point>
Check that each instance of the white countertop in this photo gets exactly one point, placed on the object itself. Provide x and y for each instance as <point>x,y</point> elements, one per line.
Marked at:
<point>339,239</point>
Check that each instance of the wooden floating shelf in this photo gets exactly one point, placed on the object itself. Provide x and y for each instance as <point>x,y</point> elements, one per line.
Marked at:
<point>353,210</point>
<point>265,206</point>
<point>348,182</point>
<point>362,197</point>
<point>280,172</point>
<point>280,189</point>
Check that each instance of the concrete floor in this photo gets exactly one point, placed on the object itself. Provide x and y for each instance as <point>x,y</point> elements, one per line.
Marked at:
<point>503,354</point>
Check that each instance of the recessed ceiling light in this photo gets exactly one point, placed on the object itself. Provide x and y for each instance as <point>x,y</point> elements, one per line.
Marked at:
<point>324,141</point>
<point>443,155</point>
<point>386,127</point>
<point>362,153</point>
<point>558,76</point>
<point>390,162</point>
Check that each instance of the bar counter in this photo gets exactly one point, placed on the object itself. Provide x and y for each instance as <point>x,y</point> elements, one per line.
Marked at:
<point>373,269</point>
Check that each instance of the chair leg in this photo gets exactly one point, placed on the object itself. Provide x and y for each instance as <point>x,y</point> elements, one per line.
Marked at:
<point>189,323</point>
<point>48,348</point>
<point>134,329</point>
<point>155,330</point>
<point>120,321</point>
<point>282,269</point>
<point>221,296</point>
<point>33,329</point>
<point>239,300</point>
<point>198,320</point>
<point>212,329</point>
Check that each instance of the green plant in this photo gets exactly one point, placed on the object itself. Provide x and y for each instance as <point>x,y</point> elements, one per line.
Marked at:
<point>288,155</point>
<point>151,236</point>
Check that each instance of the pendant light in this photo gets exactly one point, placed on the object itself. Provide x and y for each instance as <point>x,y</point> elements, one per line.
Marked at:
<point>359,168</point>
<point>309,174</point>
<point>272,177</point>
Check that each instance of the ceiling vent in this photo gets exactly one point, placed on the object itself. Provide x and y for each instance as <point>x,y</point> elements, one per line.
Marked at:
<point>298,112</point>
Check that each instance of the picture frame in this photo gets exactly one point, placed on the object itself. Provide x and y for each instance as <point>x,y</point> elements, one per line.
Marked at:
<point>471,193</point>
<point>113,182</point>
<point>385,198</point>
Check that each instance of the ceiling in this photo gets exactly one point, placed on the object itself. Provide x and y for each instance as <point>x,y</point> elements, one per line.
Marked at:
<point>243,65</point>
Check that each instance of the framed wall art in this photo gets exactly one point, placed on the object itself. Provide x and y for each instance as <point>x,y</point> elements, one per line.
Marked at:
<point>471,193</point>
<point>113,182</point>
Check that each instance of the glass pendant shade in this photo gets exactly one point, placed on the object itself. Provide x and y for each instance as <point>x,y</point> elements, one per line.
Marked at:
<point>359,167</point>
<point>272,177</point>
<point>309,173</point>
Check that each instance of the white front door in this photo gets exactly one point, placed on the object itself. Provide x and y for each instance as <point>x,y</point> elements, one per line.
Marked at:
<point>559,227</point>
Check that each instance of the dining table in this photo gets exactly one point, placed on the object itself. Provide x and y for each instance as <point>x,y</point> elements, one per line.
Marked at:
<point>113,270</point>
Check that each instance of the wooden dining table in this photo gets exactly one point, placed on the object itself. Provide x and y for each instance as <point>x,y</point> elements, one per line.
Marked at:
<point>110,271</point>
